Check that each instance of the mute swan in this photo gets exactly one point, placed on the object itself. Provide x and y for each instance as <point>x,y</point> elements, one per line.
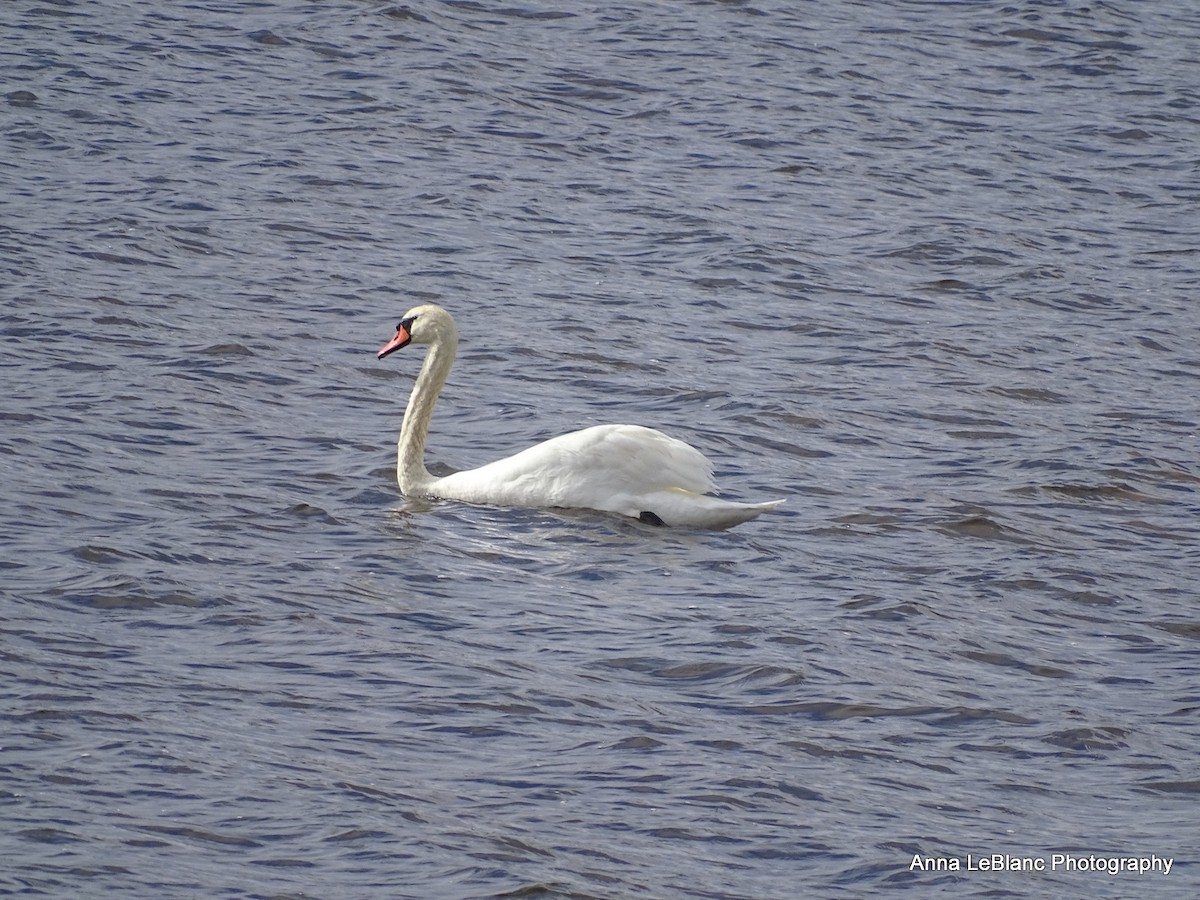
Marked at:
<point>624,469</point>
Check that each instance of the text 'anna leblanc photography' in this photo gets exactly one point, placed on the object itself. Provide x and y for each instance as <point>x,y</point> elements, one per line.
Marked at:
<point>1055,862</point>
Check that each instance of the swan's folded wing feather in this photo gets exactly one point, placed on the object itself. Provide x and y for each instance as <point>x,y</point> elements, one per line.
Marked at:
<point>652,460</point>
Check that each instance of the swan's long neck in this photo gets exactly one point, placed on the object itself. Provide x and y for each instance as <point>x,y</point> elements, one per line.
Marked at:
<point>411,474</point>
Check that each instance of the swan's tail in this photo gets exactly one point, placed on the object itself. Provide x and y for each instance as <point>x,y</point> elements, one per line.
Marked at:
<point>688,510</point>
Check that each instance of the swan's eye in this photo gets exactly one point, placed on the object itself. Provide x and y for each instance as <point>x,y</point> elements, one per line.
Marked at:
<point>407,324</point>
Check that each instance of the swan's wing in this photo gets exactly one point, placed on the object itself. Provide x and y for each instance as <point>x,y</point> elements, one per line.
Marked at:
<point>596,468</point>
<point>648,459</point>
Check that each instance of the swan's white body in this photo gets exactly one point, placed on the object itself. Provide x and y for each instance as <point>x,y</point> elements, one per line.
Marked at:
<point>624,469</point>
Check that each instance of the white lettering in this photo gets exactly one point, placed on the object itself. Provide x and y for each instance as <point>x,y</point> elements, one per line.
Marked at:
<point>934,863</point>
<point>1003,862</point>
<point>1112,865</point>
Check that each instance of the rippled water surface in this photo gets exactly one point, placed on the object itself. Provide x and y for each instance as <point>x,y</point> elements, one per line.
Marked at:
<point>927,270</point>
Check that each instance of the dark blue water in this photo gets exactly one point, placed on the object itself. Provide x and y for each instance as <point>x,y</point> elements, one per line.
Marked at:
<point>926,269</point>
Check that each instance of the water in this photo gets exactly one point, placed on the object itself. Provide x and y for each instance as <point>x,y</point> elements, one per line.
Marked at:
<point>927,270</point>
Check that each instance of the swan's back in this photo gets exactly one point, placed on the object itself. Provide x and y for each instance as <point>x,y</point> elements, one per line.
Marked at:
<point>626,469</point>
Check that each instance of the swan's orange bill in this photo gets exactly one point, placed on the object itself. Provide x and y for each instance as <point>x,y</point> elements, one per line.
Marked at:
<point>401,339</point>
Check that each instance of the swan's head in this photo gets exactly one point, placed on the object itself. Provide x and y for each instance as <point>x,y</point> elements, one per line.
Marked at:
<point>421,325</point>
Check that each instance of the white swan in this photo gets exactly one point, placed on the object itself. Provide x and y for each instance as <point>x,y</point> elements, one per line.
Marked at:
<point>624,469</point>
